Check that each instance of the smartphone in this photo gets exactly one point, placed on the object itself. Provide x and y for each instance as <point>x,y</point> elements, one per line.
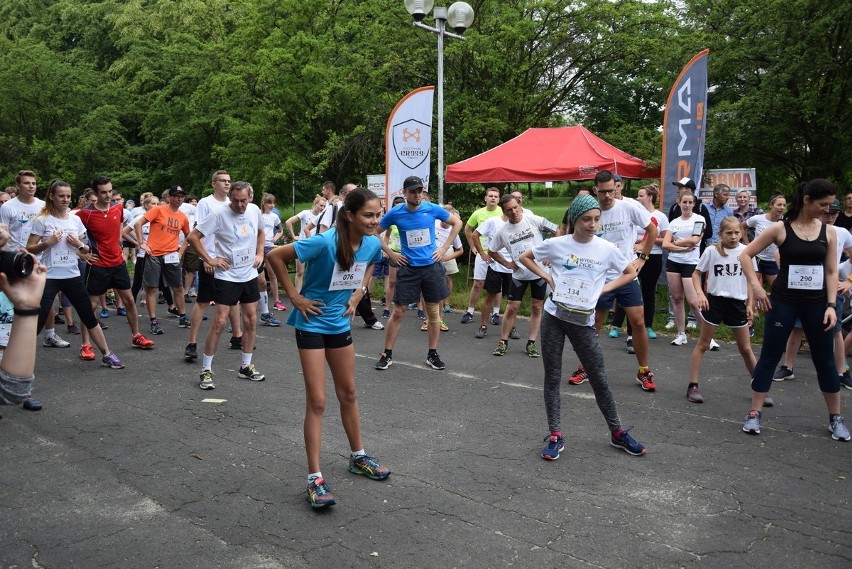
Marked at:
<point>698,228</point>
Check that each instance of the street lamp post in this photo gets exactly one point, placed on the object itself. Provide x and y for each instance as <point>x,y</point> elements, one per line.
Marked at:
<point>460,17</point>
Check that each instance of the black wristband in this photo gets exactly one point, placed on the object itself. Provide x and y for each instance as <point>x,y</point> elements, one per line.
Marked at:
<point>831,305</point>
<point>27,311</point>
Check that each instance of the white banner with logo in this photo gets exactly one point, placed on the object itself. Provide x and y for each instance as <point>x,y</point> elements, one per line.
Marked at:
<point>408,140</point>
<point>735,178</point>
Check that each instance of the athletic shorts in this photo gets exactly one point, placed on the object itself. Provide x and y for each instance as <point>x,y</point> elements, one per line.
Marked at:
<point>190,261</point>
<point>495,281</point>
<point>228,293</point>
<point>628,296</point>
<point>538,289</point>
<point>768,268</point>
<point>412,281</point>
<point>480,269</point>
<point>101,279</point>
<point>728,311</point>
<point>451,266</point>
<point>685,270</point>
<point>206,286</point>
<point>315,341</point>
<point>381,269</point>
<point>156,267</point>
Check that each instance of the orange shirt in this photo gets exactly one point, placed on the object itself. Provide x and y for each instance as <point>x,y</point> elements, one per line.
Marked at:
<point>165,227</point>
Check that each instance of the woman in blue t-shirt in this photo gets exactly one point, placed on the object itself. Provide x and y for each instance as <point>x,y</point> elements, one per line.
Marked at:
<point>337,263</point>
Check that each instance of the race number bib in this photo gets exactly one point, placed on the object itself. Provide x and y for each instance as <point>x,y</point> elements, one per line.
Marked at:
<point>5,331</point>
<point>574,292</point>
<point>242,257</point>
<point>62,257</point>
<point>805,277</point>
<point>519,249</point>
<point>171,258</point>
<point>418,238</point>
<point>347,280</point>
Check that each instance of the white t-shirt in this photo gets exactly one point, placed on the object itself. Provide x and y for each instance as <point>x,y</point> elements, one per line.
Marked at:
<point>759,223</point>
<point>659,219</point>
<point>205,208</point>
<point>724,274</point>
<point>519,237</point>
<point>19,216</point>
<point>271,225</point>
<point>682,229</point>
<point>146,229</point>
<point>60,258</point>
<point>488,229</point>
<point>579,270</point>
<point>441,234</point>
<point>844,240</point>
<point>189,211</point>
<point>619,225</point>
<point>328,217</point>
<point>235,238</point>
<point>305,218</point>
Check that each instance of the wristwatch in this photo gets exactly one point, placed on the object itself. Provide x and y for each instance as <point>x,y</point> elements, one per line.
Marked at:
<point>364,290</point>
<point>643,256</point>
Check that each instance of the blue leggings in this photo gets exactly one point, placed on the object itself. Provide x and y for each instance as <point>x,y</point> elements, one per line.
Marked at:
<point>779,323</point>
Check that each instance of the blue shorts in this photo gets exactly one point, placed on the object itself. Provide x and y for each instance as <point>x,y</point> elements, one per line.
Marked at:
<point>381,269</point>
<point>768,268</point>
<point>628,296</point>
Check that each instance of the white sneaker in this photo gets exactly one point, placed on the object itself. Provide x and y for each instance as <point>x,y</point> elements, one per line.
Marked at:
<point>714,346</point>
<point>691,324</point>
<point>54,341</point>
<point>377,326</point>
<point>679,340</point>
<point>670,325</point>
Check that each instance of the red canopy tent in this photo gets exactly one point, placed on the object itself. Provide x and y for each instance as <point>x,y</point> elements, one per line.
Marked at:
<point>547,155</point>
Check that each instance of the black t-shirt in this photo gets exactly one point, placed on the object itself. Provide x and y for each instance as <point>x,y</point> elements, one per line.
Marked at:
<point>844,221</point>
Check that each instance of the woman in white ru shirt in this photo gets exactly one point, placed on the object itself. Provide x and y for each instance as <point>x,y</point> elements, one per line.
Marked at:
<point>58,237</point>
<point>682,242</point>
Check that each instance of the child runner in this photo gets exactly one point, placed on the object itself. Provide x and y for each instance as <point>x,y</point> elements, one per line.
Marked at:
<point>579,263</point>
<point>340,260</point>
<point>727,301</point>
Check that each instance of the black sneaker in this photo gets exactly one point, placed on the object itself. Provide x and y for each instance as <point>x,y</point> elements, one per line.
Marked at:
<point>236,343</point>
<point>190,353</point>
<point>434,360</point>
<point>783,373</point>
<point>384,362</point>
<point>173,311</point>
<point>846,379</point>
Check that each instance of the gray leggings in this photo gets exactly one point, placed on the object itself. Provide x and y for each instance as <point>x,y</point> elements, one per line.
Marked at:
<point>584,340</point>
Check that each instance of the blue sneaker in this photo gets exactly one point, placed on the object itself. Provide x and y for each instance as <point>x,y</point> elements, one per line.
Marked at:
<point>651,334</point>
<point>121,311</point>
<point>752,423</point>
<point>627,443</point>
<point>421,315</point>
<point>104,313</point>
<point>269,320</point>
<point>613,332</point>
<point>367,466</point>
<point>466,318</point>
<point>111,360</point>
<point>155,327</point>
<point>495,319</point>
<point>553,447</point>
<point>385,314</point>
<point>319,496</point>
<point>184,322</point>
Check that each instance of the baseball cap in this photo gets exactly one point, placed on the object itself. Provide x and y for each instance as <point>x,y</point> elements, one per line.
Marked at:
<point>835,206</point>
<point>176,191</point>
<point>412,183</point>
<point>685,183</point>
<point>617,177</point>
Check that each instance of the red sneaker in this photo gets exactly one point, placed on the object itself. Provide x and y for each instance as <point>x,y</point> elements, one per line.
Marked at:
<point>87,352</point>
<point>140,341</point>
<point>647,380</point>
<point>578,377</point>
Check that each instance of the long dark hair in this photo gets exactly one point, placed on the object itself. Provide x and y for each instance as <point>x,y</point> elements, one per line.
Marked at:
<point>816,189</point>
<point>354,201</point>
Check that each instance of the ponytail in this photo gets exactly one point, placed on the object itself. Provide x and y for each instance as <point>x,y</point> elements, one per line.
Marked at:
<point>817,188</point>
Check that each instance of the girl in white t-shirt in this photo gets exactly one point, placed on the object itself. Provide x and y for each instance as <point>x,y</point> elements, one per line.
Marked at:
<point>307,219</point>
<point>272,232</point>
<point>728,300</point>
<point>767,265</point>
<point>682,242</point>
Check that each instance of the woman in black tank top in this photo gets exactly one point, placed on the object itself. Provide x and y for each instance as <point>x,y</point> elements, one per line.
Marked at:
<point>806,289</point>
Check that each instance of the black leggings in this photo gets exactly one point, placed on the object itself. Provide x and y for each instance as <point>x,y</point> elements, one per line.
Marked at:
<point>75,291</point>
<point>648,277</point>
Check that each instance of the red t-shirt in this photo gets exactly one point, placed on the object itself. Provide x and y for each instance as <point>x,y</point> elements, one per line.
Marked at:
<point>104,229</point>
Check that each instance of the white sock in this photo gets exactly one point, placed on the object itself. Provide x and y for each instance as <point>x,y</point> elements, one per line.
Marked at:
<point>495,310</point>
<point>357,453</point>
<point>49,332</point>
<point>264,302</point>
<point>470,310</point>
<point>246,359</point>
<point>206,362</point>
<point>313,476</point>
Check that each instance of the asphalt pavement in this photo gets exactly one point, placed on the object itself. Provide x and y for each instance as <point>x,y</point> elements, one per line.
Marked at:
<point>140,468</point>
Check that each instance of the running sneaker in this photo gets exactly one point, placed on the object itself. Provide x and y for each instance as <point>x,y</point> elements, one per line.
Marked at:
<point>444,326</point>
<point>614,332</point>
<point>367,466</point>
<point>421,315</point>
<point>103,325</point>
<point>73,329</point>
<point>680,340</point>
<point>269,320</point>
<point>630,348</point>
<point>193,292</point>
<point>752,423</point>
<point>714,345</point>
<point>768,402</point>
<point>532,350</point>
<point>191,352</point>
<point>501,349</point>
<point>846,379</point>
<point>646,378</point>
<point>693,394</point>
<point>375,326</point>
<point>236,343</point>
<point>184,322</point>
<point>53,341</point>
<point>87,352</point>
<point>384,362</point>
<point>319,496</point>
<point>448,309</point>
<point>424,326</point>
<point>386,314</point>
<point>412,306</point>
<point>121,311</point>
<point>579,376</point>
<point>57,319</point>
<point>838,429</point>
<point>206,380</point>
<point>670,325</point>
<point>466,318</point>
<point>691,324</point>
<point>435,361</point>
<point>513,334</point>
<point>627,443</point>
<point>553,447</point>
<point>783,373</point>
<point>111,360</point>
<point>495,319</point>
<point>651,334</point>
<point>140,341</point>
<point>278,305</point>
<point>173,310</point>
<point>250,372</point>
<point>155,327</point>
<point>482,332</point>
<point>32,405</point>
<point>104,313</point>
<point>751,331</point>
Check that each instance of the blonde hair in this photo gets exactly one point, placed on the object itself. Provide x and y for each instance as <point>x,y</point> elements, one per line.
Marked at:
<point>730,220</point>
